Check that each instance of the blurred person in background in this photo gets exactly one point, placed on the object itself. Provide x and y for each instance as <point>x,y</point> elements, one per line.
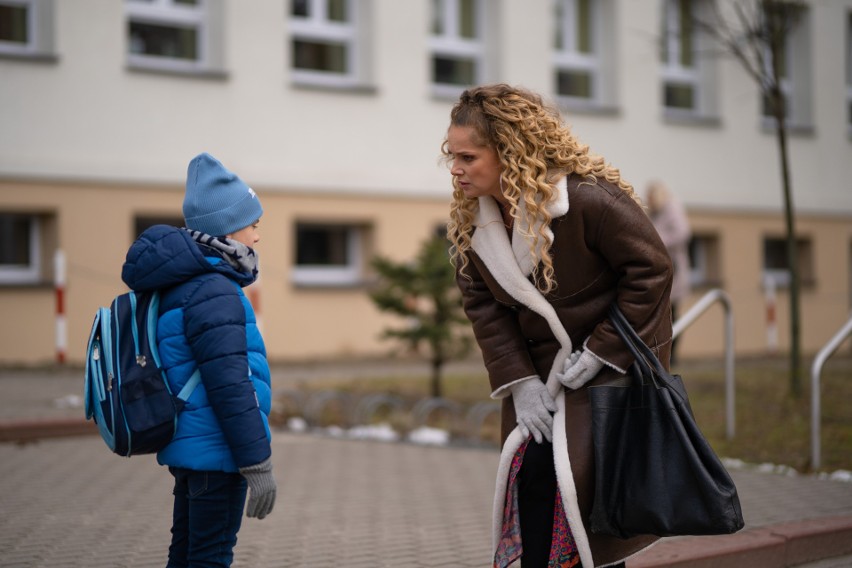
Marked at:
<point>672,224</point>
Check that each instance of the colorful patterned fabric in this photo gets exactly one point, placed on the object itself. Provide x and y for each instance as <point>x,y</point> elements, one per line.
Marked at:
<point>509,548</point>
<point>563,549</point>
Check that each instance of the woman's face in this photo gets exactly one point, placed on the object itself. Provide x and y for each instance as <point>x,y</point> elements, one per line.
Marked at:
<point>476,168</point>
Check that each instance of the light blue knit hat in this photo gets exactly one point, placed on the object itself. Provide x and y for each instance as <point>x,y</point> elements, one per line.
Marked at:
<point>217,201</point>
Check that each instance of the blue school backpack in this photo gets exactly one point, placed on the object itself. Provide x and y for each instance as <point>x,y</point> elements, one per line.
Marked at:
<point>126,391</point>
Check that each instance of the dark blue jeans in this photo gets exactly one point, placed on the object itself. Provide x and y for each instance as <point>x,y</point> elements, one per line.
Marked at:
<point>207,515</point>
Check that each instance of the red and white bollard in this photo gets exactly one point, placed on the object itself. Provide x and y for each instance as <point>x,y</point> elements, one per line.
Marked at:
<point>59,285</point>
<point>254,298</point>
<point>771,322</point>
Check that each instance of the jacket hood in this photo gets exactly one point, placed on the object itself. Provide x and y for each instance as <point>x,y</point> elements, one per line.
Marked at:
<point>164,256</point>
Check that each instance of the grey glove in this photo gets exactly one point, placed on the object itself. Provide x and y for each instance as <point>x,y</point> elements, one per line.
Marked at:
<point>579,369</point>
<point>533,407</point>
<point>262,488</point>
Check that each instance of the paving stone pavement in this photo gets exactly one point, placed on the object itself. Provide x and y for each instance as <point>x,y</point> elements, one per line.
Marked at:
<point>69,502</point>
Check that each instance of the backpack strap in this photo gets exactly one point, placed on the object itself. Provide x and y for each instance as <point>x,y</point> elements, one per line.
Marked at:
<point>153,317</point>
<point>190,385</point>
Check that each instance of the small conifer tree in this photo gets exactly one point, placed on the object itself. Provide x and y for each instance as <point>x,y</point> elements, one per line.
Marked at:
<point>424,293</point>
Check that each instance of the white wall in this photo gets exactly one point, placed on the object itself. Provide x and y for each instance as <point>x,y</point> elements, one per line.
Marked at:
<point>89,117</point>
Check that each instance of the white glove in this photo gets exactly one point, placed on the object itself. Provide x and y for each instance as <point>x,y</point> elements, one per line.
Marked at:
<point>579,369</point>
<point>533,407</point>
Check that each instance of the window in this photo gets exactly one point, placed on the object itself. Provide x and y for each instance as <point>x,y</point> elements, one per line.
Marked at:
<point>704,265</point>
<point>849,73</point>
<point>26,27</point>
<point>457,45</point>
<point>20,249</point>
<point>142,222</point>
<point>581,60</point>
<point>174,35</point>
<point>329,254</point>
<point>687,82</point>
<point>775,264</point>
<point>794,68</point>
<point>326,44</point>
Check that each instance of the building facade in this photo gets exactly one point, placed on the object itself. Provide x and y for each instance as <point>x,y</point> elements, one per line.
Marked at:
<point>335,110</point>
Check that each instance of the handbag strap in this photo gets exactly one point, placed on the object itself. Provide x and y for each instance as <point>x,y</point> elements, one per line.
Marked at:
<point>647,361</point>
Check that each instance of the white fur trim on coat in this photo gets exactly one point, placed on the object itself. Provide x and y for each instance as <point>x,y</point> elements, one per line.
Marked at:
<point>510,266</point>
<point>522,231</point>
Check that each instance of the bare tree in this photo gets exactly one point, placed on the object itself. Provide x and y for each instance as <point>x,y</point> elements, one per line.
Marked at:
<point>756,33</point>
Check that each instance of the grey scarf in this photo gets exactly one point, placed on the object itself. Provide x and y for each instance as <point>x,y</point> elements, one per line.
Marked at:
<point>238,255</point>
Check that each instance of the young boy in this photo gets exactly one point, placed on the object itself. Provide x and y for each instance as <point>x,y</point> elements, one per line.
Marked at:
<point>222,443</point>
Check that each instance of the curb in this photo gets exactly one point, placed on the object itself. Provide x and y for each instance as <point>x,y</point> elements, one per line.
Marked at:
<point>776,546</point>
<point>23,431</point>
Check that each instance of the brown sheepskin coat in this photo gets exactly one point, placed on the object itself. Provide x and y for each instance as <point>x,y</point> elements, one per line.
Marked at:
<point>604,250</point>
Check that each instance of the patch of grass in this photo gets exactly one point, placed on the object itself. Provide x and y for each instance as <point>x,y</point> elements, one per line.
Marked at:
<point>771,425</point>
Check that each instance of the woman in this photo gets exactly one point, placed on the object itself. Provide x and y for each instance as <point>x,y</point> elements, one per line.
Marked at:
<point>545,236</point>
<point>669,218</point>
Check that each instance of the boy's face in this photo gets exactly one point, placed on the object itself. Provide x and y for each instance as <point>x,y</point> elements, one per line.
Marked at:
<point>249,236</point>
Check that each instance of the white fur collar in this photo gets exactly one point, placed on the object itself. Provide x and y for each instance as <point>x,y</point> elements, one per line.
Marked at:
<point>488,217</point>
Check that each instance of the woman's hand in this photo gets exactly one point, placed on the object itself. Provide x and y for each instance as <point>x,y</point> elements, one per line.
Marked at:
<point>579,369</point>
<point>533,407</point>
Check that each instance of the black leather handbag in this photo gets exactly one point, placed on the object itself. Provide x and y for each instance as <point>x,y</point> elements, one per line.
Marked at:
<point>655,473</point>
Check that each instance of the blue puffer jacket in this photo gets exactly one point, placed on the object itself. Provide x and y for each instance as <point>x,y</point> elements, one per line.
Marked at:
<point>206,322</point>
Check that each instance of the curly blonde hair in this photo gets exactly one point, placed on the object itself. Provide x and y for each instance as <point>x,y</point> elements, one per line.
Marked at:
<point>535,149</point>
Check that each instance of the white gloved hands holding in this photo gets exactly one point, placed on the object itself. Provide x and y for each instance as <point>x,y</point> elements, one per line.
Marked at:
<point>580,368</point>
<point>533,407</point>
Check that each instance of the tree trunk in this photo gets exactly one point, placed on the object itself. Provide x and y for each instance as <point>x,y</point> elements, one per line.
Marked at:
<point>435,381</point>
<point>793,263</point>
<point>777,38</point>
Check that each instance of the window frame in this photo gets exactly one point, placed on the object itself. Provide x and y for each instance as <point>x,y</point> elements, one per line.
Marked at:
<point>450,44</point>
<point>849,74</point>
<point>40,31</point>
<point>31,273</point>
<point>673,70</point>
<point>804,258</point>
<point>796,85</point>
<point>332,276</point>
<point>704,261</point>
<point>700,75</point>
<point>167,13</point>
<point>144,221</point>
<point>317,27</point>
<point>570,58</point>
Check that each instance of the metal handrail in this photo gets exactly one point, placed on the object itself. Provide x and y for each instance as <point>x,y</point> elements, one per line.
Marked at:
<point>711,297</point>
<point>823,355</point>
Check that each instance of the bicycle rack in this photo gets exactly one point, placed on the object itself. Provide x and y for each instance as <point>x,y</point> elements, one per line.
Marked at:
<point>711,297</point>
<point>823,355</point>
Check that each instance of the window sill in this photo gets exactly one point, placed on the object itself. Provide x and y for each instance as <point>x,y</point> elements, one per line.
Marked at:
<point>586,107</point>
<point>330,286</point>
<point>676,118</point>
<point>804,284</point>
<point>187,73</point>
<point>33,285</point>
<point>706,285</point>
<point>30,57</point>
<point>805,130</point>
<point>330,88</point>
<point>448,93</point>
